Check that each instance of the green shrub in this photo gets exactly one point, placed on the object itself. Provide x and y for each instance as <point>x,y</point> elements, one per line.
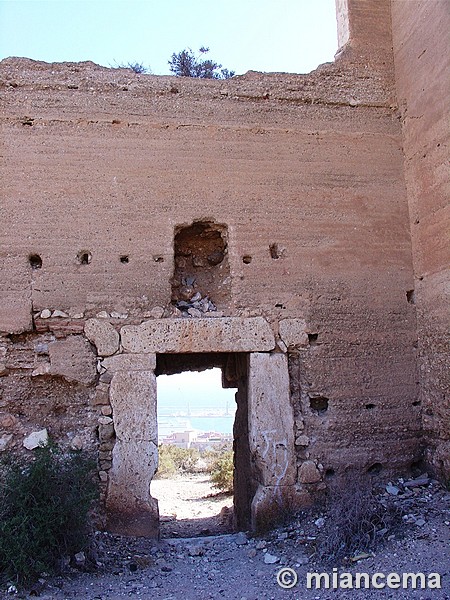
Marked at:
<point>166,464</point>
<point>187,64</point>
<point>222,472</point>
<point>173,459</point>
<point>211,455</point>
<point>44,511</point>
<point>186,458</point>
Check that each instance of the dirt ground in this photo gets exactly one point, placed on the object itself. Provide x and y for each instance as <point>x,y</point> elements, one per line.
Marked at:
<point>241,567</point>
<point>190,506</point>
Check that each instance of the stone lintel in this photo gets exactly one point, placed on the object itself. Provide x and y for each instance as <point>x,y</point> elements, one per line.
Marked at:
<point>127,362</point>
<point>227,334</point>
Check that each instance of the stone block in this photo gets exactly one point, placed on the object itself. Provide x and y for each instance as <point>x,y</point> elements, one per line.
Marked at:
<point>105,429</point>
<point>134,465</point>
<point>133,400</point>
<point>8,421</point>
<point>131,510</point>
<point>76,443</point>
<point>156,313</point>
<point>103,335</point>
<point>15,314</point>
<point>308,472</point>
<point>127,362</point>
<point>36,439</point>
<point>42,368</point>
<point>271,419</point>
<point>107,446</point>
<point>5,439</point>
<point>101,396</point>
<point>3,351</point>
<point>302,440</point>
<point>106,377</point>
<point>293,333</point>
<point>227,334</point>
<point>73,359</point>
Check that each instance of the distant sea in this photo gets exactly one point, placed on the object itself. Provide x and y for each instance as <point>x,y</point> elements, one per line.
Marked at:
<point>219,424</point>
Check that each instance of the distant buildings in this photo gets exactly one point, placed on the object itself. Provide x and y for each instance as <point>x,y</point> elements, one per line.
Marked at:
<point>192,438</point>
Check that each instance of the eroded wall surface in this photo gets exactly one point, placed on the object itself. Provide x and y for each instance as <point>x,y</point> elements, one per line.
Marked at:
<point>303,174</point>
<point>421,31</point>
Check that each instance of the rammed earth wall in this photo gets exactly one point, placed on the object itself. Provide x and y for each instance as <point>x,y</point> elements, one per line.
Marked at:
<point>279,202</point>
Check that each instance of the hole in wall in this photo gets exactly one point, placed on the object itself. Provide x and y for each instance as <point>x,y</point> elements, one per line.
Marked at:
<point>201,270</point>
<point>35,261</point>
<point>370,406</point>
<point>277,251</point>
<point>312,338</point>
<point>318,404</point>
<point>375,469</point>
<point>416,403</point>
<point>411,296</point>
<point>84,257</point>
<point>418,467</point>
<point>329,473</point>
<point>246,259</point>
<point>124,259</point>
<point>158,259</point>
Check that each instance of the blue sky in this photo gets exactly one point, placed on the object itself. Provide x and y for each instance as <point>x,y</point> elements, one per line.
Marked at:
<point>193,390</point>
<point>262,35</point>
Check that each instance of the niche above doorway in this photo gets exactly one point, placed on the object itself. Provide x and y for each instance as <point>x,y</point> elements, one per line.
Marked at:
<point>201,279</point>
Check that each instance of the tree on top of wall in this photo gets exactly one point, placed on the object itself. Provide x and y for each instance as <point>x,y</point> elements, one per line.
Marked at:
<point>187,64</point>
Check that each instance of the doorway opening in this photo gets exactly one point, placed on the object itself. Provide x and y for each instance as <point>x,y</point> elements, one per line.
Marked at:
<point>204,458</point>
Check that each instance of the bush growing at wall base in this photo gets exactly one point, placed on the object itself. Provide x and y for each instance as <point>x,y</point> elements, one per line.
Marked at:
<point>44,511</point>
<point>357,519</point>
